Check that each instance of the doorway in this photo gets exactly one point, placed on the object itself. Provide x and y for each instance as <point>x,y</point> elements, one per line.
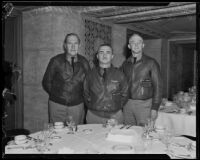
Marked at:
<point>182,71</point>
<point>13,55</point>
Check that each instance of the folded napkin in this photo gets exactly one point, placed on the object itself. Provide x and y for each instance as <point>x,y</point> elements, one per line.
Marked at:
<point>123,135</point>
<point>170,109</point>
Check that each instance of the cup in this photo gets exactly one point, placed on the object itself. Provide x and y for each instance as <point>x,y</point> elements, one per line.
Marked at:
<point>58,125</point>
<point>183,110</point>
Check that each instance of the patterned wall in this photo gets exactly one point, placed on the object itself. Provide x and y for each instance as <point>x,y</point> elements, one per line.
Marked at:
<point>95,35</point>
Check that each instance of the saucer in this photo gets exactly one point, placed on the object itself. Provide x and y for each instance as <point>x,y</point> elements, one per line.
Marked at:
<point>87,131</point>
<point>122,148</point>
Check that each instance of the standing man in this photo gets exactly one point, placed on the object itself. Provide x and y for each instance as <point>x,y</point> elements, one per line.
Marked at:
<point>105,89</point>
<point>145,85</point>
<point>63,81</point>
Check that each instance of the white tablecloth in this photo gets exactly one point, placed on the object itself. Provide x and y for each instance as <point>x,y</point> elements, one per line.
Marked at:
<point>181,124</point>
<point>93,141</point>
<point>91,138</point>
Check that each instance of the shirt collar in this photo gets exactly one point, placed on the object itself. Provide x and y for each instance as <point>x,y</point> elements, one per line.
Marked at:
<point>101,70</point>
<point>139,58</point>
<point>68,58</point>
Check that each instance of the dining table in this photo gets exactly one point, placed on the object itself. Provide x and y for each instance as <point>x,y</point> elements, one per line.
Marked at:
<point>179,123</point>
<point>92,139</point>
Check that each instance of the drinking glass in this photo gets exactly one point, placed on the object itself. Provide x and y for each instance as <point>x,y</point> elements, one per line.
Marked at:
<point>71,123</point>
<point>166,139</point>
<point>41,144</point>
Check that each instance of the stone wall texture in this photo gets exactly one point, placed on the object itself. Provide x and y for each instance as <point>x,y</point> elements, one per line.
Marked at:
<point>43,33</point>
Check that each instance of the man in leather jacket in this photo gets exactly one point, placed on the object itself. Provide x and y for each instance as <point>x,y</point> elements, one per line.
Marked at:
<point>63,81</point>
<point>105,89</point>
<point>145,84</point>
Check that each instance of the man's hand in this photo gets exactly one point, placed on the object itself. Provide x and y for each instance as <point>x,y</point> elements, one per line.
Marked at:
<point>154,115</point>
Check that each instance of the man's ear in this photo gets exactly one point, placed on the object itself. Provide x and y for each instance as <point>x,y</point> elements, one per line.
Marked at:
<point>129,46</point>
<point>143,45</point>
<point>64,46</point>
<point>112,56</point>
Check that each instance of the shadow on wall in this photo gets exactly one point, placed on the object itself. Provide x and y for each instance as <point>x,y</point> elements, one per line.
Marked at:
<point>126,51</point>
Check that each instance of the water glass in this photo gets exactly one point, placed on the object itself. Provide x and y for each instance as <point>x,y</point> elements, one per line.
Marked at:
<point>71,123</point>
<point>41,145</point>
<point>166,139</point>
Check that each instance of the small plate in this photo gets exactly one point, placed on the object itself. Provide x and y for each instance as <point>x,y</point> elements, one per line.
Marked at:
<point>56,137</point>
<point>122,147</point>
<point>87,131</point>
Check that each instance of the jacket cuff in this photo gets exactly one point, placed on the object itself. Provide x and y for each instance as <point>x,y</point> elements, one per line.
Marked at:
<point>155,106</point>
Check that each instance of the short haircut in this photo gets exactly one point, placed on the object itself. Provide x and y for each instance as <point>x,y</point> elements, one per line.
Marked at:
<point>135,34</point>
<point>72,34</point>
<point>105,44</point>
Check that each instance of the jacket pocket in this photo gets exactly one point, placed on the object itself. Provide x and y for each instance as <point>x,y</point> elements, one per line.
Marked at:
<point>145,89</point>
<point>146,83</point>
<point>113,86</point>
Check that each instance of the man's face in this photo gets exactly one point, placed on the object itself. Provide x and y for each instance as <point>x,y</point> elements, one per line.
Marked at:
<point>72,45</point>
<point>105,55</point>
<point>136,44</point>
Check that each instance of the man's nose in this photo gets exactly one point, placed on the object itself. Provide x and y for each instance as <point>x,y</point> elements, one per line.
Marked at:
<point>73,46</point>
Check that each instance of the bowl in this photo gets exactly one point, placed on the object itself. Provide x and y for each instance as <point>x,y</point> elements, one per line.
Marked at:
<point>168,103</point>
<point>20,139</point>
<point>182,110</point>
<point>160,128</point>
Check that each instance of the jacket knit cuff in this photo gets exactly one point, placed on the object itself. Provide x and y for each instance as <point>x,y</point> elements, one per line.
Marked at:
<point>155,106</point>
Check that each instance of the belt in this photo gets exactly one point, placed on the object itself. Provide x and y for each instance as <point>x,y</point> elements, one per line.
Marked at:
<point>103,113</point>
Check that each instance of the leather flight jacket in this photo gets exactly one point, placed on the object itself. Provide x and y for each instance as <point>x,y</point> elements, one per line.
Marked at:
<point>144,79</point>
<point>64,82</point>
<point>105,97</point>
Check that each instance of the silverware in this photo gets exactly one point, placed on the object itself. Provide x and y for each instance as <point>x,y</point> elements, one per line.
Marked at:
<point>23,147</point>
<point>15,147</point>
<point>129,127</point>
<point>31,138</point>
<point>122,127</point>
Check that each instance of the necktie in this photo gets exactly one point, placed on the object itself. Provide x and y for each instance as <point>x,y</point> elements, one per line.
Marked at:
<point>134,60</point>
<point>104,73</point>
<point>72,63</point>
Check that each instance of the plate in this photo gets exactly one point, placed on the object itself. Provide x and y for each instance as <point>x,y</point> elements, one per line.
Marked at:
<point>12,144</point>
<point>122,148</point>
<point>180,152</point>
<point>87,131</point>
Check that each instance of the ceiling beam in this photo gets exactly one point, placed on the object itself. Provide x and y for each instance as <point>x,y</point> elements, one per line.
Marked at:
<point>144,31</point>
<point>151,30</point>
<point>93,10</point>
<point>153,14</point>
<point>131,9</point>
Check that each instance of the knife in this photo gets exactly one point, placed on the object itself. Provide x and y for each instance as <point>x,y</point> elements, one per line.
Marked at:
<point>122,127</point>
<point>129,127</point>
